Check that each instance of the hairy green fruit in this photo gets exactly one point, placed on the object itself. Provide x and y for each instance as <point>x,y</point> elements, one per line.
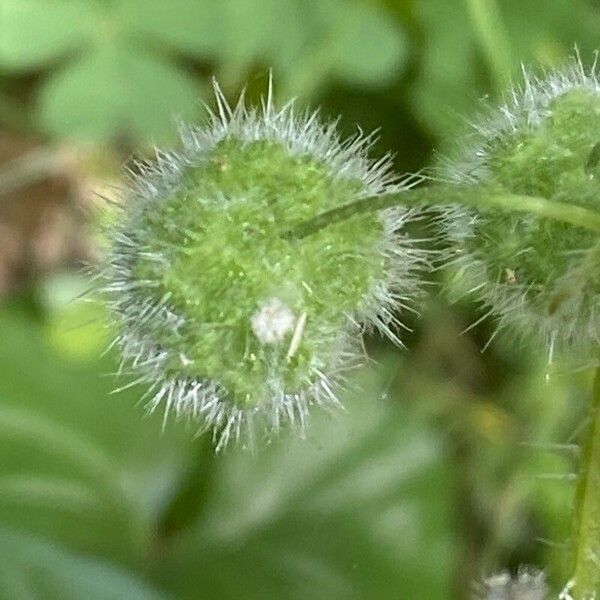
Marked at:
<point>229,320</point>
<point>536,275</point>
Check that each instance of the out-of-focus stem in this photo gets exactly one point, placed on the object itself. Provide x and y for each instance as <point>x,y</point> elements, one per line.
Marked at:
<point>492,37</point>
<point>586,526</point>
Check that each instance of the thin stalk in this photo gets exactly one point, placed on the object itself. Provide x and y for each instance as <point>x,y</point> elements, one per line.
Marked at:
<point>493,39</point>
<point>481,199</point>
<point>586,529</point>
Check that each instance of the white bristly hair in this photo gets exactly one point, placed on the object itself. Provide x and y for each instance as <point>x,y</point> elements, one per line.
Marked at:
<point>150,182</point>
<point>525,105</point>
<point>527,584</point>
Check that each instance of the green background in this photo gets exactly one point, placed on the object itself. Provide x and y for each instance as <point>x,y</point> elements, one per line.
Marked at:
<point>442,469</point>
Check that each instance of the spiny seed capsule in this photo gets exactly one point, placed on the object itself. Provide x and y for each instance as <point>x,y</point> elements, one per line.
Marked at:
<point>229,319</point>
<point>536,275</point>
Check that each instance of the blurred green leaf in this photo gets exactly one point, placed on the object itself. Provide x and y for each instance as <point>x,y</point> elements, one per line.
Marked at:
<point>194,28</point>
<point>372,49</point>
<point>350,512</point>
<point>119,76</point>
<point>447,85</point>
<point>117,82</point>
<point>240,30</point>
<point>75,328</point>
<point>117,89</point>
<point>547,36</point>
<point>33,32</point>
<point>33,569</point>
<point>362,509</point>
<point>453,74</point>
<point>79,466</point>
<point>356,42</point>
<point>249,29</point>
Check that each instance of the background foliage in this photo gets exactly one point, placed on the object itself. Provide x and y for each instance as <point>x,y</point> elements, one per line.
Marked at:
<point>438,472</point>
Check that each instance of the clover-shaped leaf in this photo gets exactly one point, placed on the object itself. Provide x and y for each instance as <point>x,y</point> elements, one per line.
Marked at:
<point>113,89</point>
<point>113,78</point>
<point>113,67</point>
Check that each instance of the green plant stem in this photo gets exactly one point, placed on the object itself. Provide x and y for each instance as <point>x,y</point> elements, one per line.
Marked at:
<point>478,198</point>
<point>586,529</point>
<point>493,39</point>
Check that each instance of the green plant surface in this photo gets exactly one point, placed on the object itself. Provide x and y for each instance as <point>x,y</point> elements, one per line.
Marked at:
<point>33,568</point>
<point>224,227</point>
<point>456,57</point>
<point>586,522</point>
<point>69,470</point>
<point>455,459</point>
<point>116,67</point>
<point>323,517</point>
<point>114,491</point>
<point>536,274</point>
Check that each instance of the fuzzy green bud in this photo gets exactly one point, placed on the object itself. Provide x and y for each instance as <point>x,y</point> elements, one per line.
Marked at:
<point>536,274</point>
<point>227,319</point>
